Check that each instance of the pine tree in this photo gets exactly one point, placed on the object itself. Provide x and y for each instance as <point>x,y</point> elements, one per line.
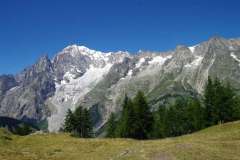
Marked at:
<point>87,124</point>
<point>69,121</point>
<point>122,124</point>
<point>177,118</point>
<point>78,123</point>
<point>209,99</point>
<point>226,102</point>
<point>159,126</point>
<point>130,120</point>
<point>125,128</point>
<point>144,117</point>
<point>111,127</point>
<point>195,115</point>
<point>171,121</point>
<point>136,120</point>
<point>236,108</point>
<point>217,101</point>
<point>220,102</point>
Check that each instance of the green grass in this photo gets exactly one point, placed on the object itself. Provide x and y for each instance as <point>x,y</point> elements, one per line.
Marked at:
<point>220,142</point>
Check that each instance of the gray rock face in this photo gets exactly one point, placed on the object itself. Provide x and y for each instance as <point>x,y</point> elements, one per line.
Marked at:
<point>98,81</point>
<point>6,82</point>
<point>25,99</point>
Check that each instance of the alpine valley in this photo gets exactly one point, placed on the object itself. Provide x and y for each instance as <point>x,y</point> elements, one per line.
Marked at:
<point>42,94</point>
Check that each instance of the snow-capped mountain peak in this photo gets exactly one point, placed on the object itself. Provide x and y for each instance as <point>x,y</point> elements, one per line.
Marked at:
<point>75,50</point>
<point>97,80</point>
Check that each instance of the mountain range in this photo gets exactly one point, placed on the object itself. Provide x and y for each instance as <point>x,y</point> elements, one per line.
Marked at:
<point>42,93</point>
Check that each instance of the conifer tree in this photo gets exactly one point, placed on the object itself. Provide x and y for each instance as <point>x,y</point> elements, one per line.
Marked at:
<point>177,118</point>
<point>144,117</point>
<point>69,121</point>
<point>236,108</point>
<point>159,127</point>
<point>225,103</point>
<point>210,102</point>
<point>220,102</point>
<point>78,123</point>
<point>127,122</point>
<point>87,124</point>
<point>111,126</point>
<point>195,115</point>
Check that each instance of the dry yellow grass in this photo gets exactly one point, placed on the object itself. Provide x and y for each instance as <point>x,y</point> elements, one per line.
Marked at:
<point>216,143</point>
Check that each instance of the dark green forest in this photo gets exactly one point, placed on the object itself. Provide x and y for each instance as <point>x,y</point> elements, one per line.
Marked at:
<point>219,104</point>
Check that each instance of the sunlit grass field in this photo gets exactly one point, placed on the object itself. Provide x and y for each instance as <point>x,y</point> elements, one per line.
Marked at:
<point>220,142</point>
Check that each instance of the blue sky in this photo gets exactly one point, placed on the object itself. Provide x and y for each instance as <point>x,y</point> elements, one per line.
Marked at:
<point>31,28</point>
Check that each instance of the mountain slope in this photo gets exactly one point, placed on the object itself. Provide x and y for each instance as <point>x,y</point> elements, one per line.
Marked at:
<point>216,143</point>
<point>98,81</point>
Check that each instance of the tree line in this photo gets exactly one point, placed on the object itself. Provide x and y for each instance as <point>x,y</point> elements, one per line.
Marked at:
<point>219,104</point>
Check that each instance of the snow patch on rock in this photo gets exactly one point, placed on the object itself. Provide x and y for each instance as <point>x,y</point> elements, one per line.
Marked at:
<point>195,62</point>
<point>160,60</point>
<point>68,93</point>
<point>192,48</point>
<point>14,88</point>
<point>235,57</point>
<point>140,62</point>
<point>130,72</point>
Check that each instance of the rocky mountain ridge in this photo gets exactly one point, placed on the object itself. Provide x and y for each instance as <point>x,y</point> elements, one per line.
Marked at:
<point>80,76</point>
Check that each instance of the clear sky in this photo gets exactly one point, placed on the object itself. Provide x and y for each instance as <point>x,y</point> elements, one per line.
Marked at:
<point>31,28</point>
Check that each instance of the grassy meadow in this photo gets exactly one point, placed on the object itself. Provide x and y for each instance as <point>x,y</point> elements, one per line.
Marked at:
<point>220,142</point>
